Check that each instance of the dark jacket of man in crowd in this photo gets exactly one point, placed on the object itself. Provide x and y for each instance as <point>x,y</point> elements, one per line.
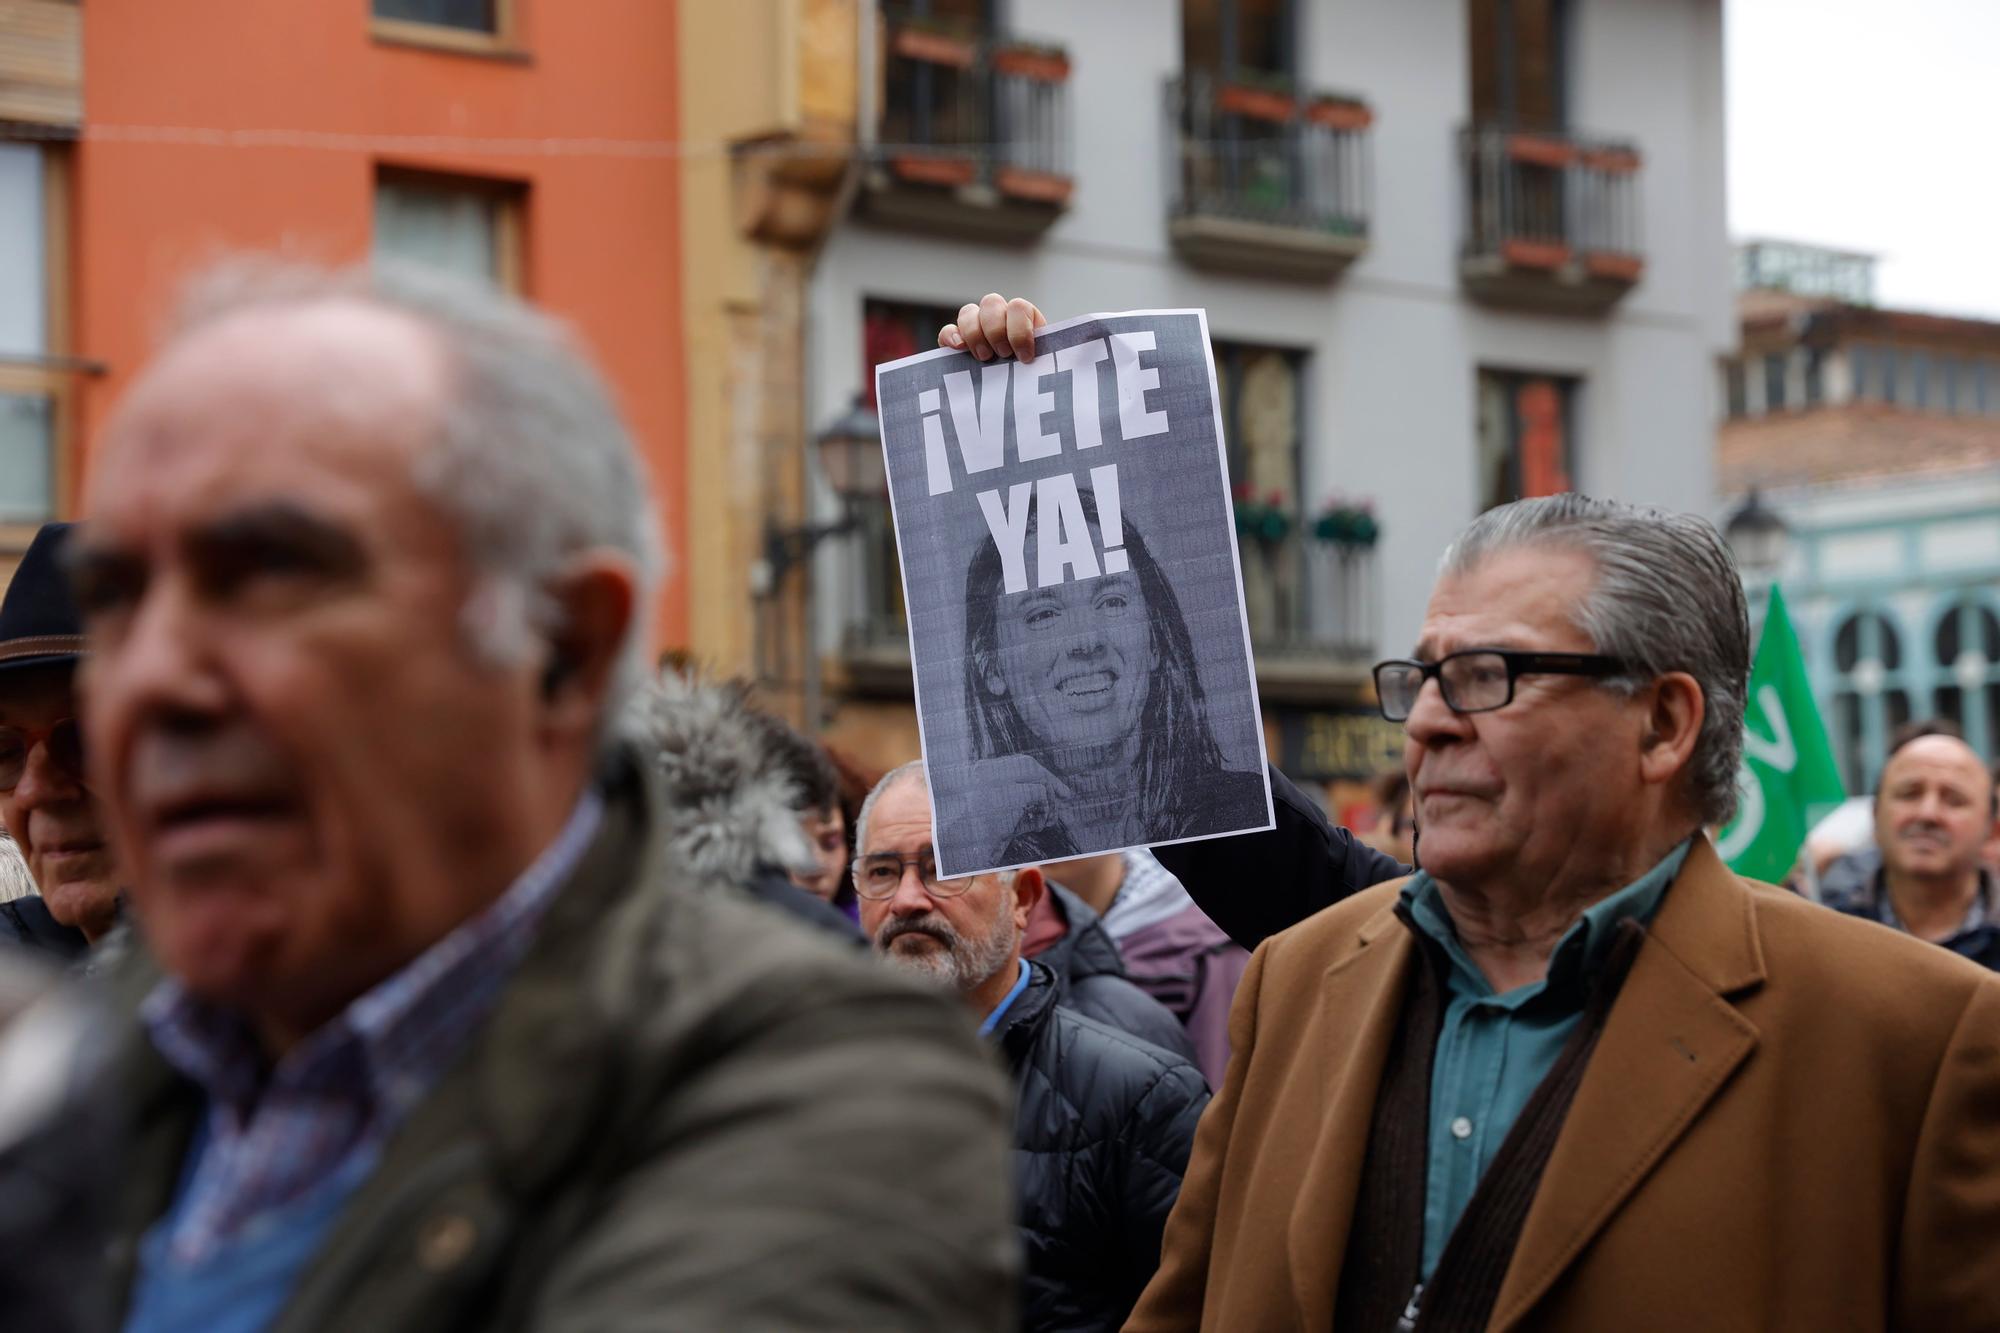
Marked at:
<point>1099,1147</point>
<point>1090,972</point>
<point>1103,1121</point>
<point>26,922</point>
<point>1853,884</point>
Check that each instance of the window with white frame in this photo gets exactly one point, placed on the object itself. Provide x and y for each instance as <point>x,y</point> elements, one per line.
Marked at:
<point>32,385</point>
<point>468,228</point>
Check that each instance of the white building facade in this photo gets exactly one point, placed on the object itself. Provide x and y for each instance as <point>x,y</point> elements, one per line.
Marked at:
<point>1493,262</point>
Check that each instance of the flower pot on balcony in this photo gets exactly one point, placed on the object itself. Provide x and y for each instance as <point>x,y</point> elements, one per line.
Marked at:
<point>1538,150</point>
<point>1267,523</point>
<point>1339,113</point>
<point>1038,187</point>
<point>1242,99</point>
<point>1612,161</point>
<point>1041,64</point>
<point>1546,255</point>
<point>945,169</point>
<point>1347,526</point>
<point>1613,267</point>
<point>931,47</point>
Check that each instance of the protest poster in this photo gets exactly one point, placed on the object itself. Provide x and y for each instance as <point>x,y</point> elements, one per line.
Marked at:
<point>1077,634</point>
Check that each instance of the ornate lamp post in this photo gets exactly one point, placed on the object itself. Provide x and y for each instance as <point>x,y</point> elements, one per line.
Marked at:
<point>850,456</point>
<point>1759,538</point>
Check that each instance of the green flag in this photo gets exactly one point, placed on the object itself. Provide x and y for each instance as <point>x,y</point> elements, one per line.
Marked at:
<point>1788,778</point>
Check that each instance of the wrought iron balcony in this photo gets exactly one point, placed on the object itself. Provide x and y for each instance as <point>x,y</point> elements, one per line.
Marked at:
<point>1551,219</point>
<point>1264,180</point>
<point>1313,607</point>
<point>875,635</point>
<point>974,133</point>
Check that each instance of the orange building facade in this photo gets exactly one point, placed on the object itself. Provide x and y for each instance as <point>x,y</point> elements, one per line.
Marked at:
<point>529,143</point>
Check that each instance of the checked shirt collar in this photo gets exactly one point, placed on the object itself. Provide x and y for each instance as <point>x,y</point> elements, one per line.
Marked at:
<point>273,1132</point>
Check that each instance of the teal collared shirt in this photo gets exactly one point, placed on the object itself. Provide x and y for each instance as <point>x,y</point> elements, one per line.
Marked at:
<point>1493,1050</point>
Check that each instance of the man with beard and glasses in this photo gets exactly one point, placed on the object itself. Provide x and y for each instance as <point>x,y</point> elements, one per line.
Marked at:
<point>1103,1122</point>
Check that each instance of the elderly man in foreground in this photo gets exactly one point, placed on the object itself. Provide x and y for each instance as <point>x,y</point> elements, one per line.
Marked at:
<point>428,1032</point>
<point>1576,1075</point>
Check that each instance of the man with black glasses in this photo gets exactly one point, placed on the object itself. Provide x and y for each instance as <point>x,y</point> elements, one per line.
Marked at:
<point>47,805</point>
<point>1574,1074</point>
<point>1103,1121</point>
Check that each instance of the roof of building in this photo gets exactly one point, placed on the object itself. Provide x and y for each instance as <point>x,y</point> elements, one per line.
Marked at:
<point>1850,443</point>
<point>1765,310</point>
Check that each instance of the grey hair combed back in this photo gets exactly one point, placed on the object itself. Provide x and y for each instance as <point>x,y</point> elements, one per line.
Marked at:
<point>1666,598</point>
<point>532,459</point>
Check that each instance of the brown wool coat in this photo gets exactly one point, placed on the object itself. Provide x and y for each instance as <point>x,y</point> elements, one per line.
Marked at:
<point>1792,1122</point>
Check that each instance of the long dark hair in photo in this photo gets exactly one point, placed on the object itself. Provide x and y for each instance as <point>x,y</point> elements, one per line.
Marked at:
<point>1177,752</point>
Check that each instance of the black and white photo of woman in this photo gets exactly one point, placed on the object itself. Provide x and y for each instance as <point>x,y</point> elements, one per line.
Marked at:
<point>1089,724</point>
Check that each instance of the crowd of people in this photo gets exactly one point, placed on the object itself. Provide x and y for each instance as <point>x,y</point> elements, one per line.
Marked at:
<point>404,954</point>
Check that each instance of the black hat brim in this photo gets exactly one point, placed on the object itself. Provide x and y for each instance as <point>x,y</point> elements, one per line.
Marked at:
<point>29,659</point>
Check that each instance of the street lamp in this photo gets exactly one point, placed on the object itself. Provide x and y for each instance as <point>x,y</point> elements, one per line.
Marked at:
<point>850,454</point>
<point>1759,538</point>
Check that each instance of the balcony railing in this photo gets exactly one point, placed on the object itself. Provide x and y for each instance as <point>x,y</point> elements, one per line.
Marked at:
<point>1264,180</point>
<point>1551,220</point>
<point>1314,611</point>
<point>974,133</point>
<point>875,635</point>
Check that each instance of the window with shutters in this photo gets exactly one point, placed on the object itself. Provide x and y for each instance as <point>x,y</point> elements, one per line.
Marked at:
<point>1520,63</point>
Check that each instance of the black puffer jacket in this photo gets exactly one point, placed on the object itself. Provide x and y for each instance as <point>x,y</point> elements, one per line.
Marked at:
<point>26,922</point>
<point>1102,1129</point>
<point>1090,979</point>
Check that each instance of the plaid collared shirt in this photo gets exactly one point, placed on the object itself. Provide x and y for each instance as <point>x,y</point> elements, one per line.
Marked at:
<point>276,1131</point>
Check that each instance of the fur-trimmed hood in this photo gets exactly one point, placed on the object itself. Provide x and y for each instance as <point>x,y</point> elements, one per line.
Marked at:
<point>730,808</point>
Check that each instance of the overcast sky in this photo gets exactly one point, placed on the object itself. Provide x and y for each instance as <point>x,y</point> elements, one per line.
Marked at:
<point>1873,126</point>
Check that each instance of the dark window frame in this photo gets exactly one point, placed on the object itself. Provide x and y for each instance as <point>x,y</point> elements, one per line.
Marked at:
<point>509,200</point>
<point>1569,389</point>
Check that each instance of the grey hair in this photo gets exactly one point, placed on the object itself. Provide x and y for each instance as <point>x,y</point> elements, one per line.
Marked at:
<point>914,771</point>
<point>1667,597</point>
<point>16,880</point>
<point>531,460</point>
